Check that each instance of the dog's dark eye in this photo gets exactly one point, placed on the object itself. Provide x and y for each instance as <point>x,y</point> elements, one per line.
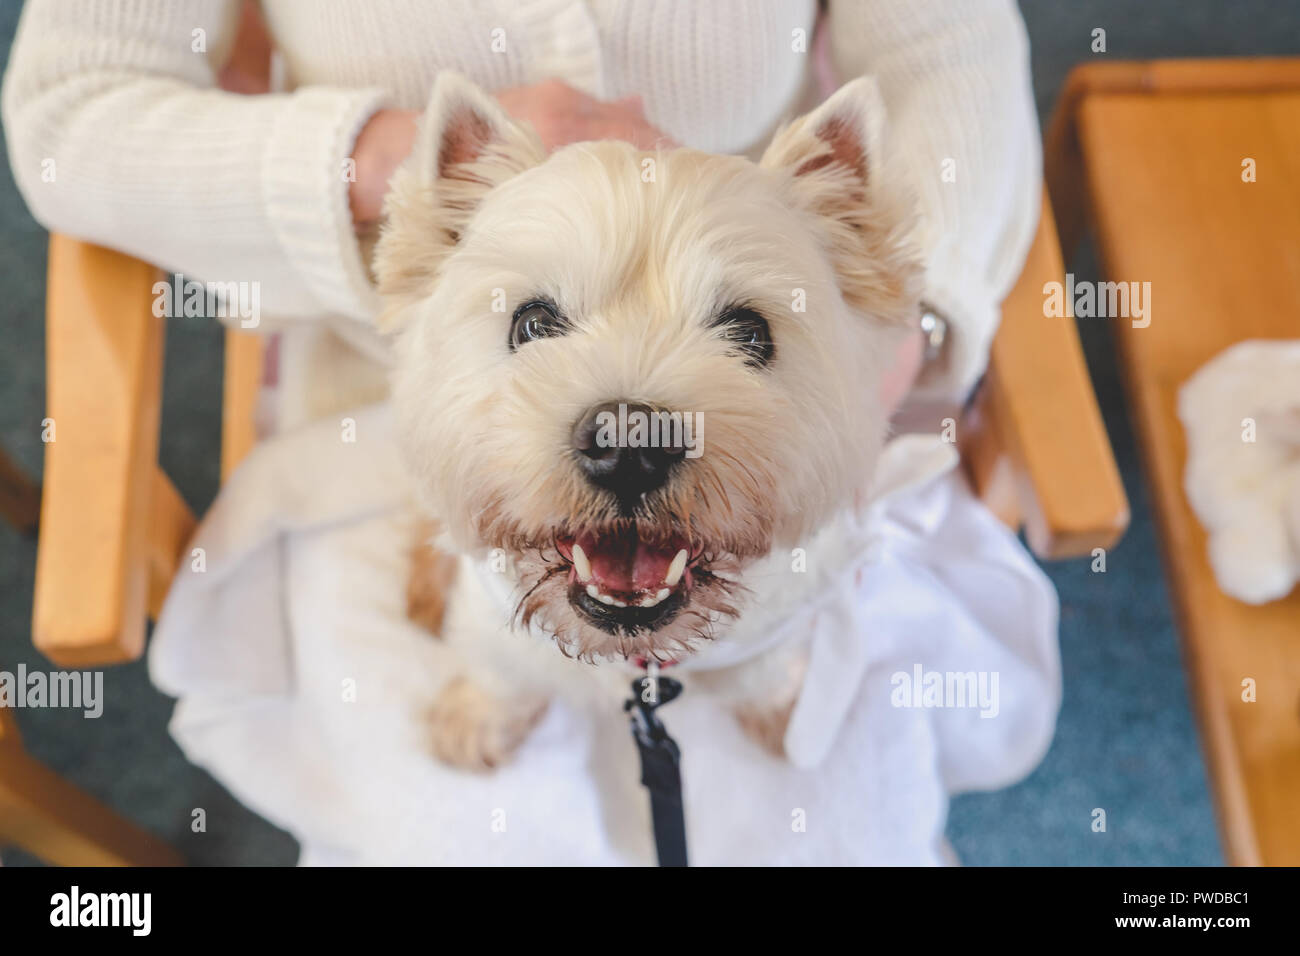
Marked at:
<point>749,334</point>
<point>535,320</point>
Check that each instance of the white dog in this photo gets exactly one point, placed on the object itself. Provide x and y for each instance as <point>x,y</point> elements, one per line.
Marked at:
<point>627,380</point>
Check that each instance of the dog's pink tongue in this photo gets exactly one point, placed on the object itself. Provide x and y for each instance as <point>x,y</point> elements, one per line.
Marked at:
<point>625,563</point>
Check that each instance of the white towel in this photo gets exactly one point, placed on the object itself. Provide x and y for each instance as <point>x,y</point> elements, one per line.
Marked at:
<point>304,689</point>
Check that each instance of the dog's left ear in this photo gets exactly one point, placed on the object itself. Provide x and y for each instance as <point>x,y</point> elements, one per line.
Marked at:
<point>466,146</point>
<point>833,159</point>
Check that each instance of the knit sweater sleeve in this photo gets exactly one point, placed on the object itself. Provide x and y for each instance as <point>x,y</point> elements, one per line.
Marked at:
<point>116,134</point>
<point>961,124</point>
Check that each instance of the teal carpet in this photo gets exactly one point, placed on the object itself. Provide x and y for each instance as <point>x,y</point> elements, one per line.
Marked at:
<point>1125,742</point>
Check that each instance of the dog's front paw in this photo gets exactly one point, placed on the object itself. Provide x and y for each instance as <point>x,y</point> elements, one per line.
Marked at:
<point>474,730</point>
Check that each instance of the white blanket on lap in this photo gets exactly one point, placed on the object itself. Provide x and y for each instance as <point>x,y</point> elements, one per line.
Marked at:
<point>303,688</point>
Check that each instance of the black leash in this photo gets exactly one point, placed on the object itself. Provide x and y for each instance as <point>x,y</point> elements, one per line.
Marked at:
<point>661,771</point>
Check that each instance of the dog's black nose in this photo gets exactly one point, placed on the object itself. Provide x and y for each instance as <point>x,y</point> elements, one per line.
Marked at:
<point>628,448</point>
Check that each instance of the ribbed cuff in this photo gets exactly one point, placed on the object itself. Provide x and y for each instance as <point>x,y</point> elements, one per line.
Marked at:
<point>305,191</point>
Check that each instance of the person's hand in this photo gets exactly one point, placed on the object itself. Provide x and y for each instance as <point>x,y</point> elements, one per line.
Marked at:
<point>381,146</point>
<point>561,115</point>
<point>902,370</point>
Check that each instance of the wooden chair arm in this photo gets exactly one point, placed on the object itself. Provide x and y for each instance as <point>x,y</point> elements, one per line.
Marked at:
<point>1034,443</point>
<point>111,522</point>
<point>1062,154</point>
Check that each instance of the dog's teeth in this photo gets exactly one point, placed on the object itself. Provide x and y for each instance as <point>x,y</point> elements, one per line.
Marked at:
<point>676,568</point>
<point>603,598</point>
<point>581,564</point>
<point>653,600</point>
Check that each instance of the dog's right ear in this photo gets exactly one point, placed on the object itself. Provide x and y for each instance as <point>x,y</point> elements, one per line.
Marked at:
<point>466,146</point>
<point>832,162</point>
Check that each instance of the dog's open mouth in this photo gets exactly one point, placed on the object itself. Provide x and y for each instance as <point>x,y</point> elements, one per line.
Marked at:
<point>621,581</point>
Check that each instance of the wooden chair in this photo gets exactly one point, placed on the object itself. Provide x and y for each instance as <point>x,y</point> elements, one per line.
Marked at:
<point>1153,154</point>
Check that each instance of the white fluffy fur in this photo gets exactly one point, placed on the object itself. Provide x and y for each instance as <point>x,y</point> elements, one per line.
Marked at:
<point>640,250</point>
<point>1247,493</point>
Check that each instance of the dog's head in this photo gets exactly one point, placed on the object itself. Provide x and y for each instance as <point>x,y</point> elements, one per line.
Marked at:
<point>634,372</point>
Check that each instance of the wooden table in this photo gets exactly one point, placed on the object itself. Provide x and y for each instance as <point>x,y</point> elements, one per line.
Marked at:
<point>1152,154</point>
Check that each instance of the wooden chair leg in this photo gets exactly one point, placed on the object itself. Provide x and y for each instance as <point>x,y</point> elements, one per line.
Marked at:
<point>42,813</point>
<point>20,497</point>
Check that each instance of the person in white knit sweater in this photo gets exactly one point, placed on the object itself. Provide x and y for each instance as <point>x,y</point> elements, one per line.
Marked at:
<point>119,134</point>
<point>119,101</point>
